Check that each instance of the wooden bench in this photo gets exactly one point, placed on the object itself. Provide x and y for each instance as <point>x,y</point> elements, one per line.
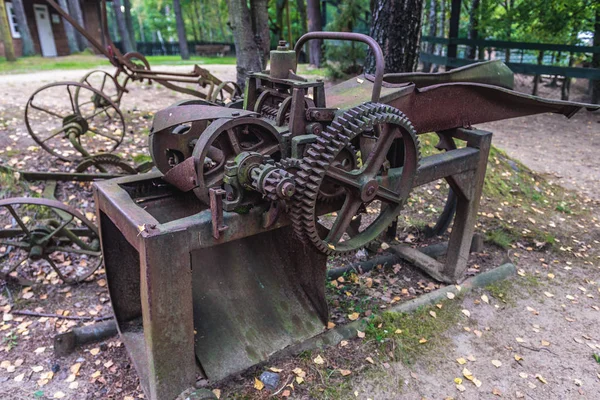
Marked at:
<point>212,49</point>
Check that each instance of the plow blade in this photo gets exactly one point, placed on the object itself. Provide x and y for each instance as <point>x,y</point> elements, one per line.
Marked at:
<point>253,297</point>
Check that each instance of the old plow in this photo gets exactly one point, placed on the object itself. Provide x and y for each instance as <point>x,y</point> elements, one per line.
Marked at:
<point>218,261</point>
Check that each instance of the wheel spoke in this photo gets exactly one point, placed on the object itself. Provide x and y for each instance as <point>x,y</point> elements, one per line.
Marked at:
<point>15,244</point>
<point>46,111</point>
<point>343,177</point>
<point>377,157</point>
<point>233,141</point>
<point>215,154</point>
<point>101,110</point>
<point>71,99</point>
<point>106,135</point>
<point>103,83</point>
<point>387,195</point>
<point>267,151</point>
<point>55,133</point>
<point>345,215</point>
<point>55,268</point>
<point>12,211</point>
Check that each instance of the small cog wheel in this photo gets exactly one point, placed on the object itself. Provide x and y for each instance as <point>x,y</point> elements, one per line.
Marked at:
<point>105,163</point>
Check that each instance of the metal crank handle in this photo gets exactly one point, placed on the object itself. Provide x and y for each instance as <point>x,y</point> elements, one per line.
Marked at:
<point>353,37</point>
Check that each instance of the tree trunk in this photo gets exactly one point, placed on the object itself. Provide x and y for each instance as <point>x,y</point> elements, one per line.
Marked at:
<point>301,7</point>
<point>183,45</point>
<point>473,27</point>
<point>453,29</point>
<point>250,35</point>
<point>129,23</point>
<point>314,25</point>
<point>565,90</point>
<point>596,59</point>
<point>279,9</point>
<point>396,26</point>
<point>199,19</point>
<point>536,79</point>
<point>430,48</point>
<point>69,29</point>
<point>122,25</point>
<point>5,35</point>
<point>141,25</point>
<point>220,18</point>
<point>77,14</point>
<point>190,16</point>
<point>26,40</point>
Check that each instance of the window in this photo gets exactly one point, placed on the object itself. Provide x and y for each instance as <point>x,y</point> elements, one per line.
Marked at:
<point>12,21</point>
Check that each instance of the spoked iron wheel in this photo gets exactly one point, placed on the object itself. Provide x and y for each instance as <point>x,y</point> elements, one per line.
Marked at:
<point>103,82</point>
<point>226,93</point>
<point>69,130</point>
<point>37,230</point>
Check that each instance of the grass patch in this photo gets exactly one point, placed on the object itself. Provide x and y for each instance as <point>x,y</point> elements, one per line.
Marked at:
<point>501,237</point>
<point>90,61</point>
<point>412,329</point>
<point>501,290</point>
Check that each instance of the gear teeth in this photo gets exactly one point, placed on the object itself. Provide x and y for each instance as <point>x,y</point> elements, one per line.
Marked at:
<point>321,155</point>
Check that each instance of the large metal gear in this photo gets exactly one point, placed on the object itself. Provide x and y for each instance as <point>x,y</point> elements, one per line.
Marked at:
<point>363,185</point>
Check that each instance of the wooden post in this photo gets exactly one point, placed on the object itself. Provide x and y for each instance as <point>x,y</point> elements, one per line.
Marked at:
<point>5,36</point>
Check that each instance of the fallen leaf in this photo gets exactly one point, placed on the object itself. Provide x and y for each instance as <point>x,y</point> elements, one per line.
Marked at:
<point>59,395</point>
<point>450,295</point>
<point>95,351</point>
<point>285,393</point>
<point>461,388</point>
<point>39,350</point>
<point>523,375</point>
<point>299,372</point>
<point>545,343</point>
<point>75,368</point>
<point>273,369</point>
<point>467,374</point>
<point>360,334</point>
<point>477,382</point>
<point>19,378</point>
<point>433,314</point>
<point>37,368</point>
<point>258,385</point>
<point>467,313</point>
<point>520,340</point>
<point>497,363</point>
<point>458,381</point>
<point>299,380</point>
<point>461,361</point>
<point>518,357</point>
<point>101,282</point>
<point>354,316</point>
<point>541,378</point>
<point>422,340</point>
<point>398,331</point>
<point>471,358</point>
<point>548,294</point>
<point>497,392</point>
<point>319,360</point>
<point>485,299</point>
<point>345,372</point>
<point>370,360</point>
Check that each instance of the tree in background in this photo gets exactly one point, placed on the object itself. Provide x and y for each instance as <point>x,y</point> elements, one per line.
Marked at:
<point>314,25</point>
<point>69,30</point>
<point>26,40</point>
<point>129,22</point>
<point>396,25</point>
<point>596,57</point>
<point>5,37</point>
<point>183,45</point>
<point>77,14</point>
<point>122,26</point>
<point>433,23</point>
<point>249,22</point>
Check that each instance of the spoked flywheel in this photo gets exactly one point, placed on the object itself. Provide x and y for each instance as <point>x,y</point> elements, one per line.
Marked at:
<point>41,230</point>
<point>375,191</point>
<point>69,128</point>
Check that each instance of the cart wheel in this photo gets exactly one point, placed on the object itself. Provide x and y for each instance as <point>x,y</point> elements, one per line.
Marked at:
<point>103,82</point>
<point>227,92</point>
<point>139,61</point>
<point>68,129</point>
<point>37,230</point>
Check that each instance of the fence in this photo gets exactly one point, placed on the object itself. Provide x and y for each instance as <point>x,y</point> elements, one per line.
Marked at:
<point>561,57</point>
<point>171,48</point>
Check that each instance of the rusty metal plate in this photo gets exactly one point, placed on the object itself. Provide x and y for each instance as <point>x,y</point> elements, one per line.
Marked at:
<point>253,297</point>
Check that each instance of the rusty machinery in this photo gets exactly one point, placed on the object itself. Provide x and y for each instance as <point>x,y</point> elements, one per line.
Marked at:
<point>93,115</point>
<point>218,261</point>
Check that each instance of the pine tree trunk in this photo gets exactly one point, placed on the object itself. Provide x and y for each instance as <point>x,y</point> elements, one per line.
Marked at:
<point>314,25</point>
<point>199,19</point>
<point>473,27</point>
<point>69,30</point>
<point>183,45</point>
<point>129,23</point>
<point>396,26</point>
<point>250,35</point>
<point>5,35</point>
<point>596,59</point>
<point>77,14</point>
<point>433,22</point>
<point>26,40</point>
<point>122,25</point>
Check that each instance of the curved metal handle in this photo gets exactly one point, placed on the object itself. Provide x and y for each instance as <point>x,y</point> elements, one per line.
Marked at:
<point>354,37</point>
